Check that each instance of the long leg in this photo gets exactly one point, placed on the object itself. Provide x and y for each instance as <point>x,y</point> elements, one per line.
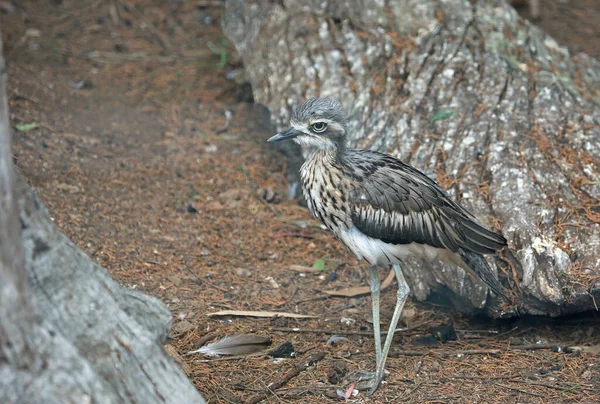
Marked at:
<point>403,291</point>
<point>375,292</point>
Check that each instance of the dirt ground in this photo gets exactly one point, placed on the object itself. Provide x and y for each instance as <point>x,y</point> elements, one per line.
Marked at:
<point>157,167</point>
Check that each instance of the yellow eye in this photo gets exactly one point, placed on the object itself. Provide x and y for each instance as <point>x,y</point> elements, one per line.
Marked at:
<point>319,127</point>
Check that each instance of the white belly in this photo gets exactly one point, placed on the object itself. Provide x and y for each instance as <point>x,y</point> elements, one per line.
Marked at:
<point>376,252</point>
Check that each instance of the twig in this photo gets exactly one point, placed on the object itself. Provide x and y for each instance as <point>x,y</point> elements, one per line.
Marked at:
<point>299,235</point>
<point>205,339</point>
<point>289,299</point>
<point>340,332</point>
<point>76,13</point>
<point>304,389</point>
<point>519,390</point>
<point>551,386</point>
<point>409,392</point>
<point>38,82</point>
<point>453,353</point>
<point>164,42</point>
<point>508,332</point>
<point>255,187</point>
<point>482,377</point>
<point>529,347</point>
<point>210,3</point>
<point>112,57</point>
<point>443,398</point>
<point>301,367</point>
<point>200,280</point>
<point>314,298</point>
<point>268,205</point>
<point>476,331</point>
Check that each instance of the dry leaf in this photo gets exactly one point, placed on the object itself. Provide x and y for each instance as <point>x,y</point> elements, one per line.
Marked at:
<point>408,313</point>
<point>244,313</point>
<point>361,290</point>
<point>235,345</point>
<point>302,268</point>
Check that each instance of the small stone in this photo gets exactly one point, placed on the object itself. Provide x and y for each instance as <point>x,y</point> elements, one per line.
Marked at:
<point>7,7</point>
<point>285,350</point>
<point>183,327</point>
<point>80,84</point>
<point>67,187</point>
<point>444,333</point>
<point>330,278</point>
<point>33,33</point>
<point>243,272</point>
<point>267,195</point>
<point>516,341</point>
<point>211,148</point>
<point>427,340</point>
<point>272,282</point>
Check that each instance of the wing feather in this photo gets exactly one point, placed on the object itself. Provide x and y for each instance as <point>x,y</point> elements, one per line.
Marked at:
<point>398,204</point>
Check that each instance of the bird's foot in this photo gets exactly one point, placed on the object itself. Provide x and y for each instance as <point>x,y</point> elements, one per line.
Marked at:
<point>367,380</point>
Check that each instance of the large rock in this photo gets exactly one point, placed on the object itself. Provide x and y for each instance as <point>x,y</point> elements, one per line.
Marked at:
<point>483,101</point>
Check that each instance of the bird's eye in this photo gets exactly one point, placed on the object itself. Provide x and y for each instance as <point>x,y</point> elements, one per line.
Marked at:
<point>319,127</point>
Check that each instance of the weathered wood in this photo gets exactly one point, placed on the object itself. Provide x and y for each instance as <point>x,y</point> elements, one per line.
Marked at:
<point>473,95</point>
<point>68,332</point>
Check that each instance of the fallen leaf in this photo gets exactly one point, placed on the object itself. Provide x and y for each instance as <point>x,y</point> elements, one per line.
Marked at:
<point>441,115</point>
<point>235,345</point>
<point>265,314</point>
<point>302,268</point>
<point>360,290</point>
<point>233,193</point>
<point>26,127</point>
<point>319,264</point>
<point>408,313</point>
<point>67,187</point>
<point>175,280</point>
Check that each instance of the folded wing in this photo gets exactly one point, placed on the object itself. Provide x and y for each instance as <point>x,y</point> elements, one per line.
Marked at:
<point>398,204</point>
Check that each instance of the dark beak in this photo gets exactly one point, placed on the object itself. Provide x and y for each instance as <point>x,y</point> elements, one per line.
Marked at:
<point>286,134</point>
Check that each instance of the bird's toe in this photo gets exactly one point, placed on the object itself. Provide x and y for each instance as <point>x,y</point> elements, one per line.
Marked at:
<point>366,380</point>
<point>361,375</point>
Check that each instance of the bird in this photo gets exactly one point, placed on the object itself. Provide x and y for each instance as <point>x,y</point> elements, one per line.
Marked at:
<point>383,210</point>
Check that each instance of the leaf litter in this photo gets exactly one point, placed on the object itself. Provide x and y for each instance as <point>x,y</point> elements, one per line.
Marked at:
<point>193,195</point>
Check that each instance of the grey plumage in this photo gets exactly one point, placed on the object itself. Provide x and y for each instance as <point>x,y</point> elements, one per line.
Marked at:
<point>382,209</point>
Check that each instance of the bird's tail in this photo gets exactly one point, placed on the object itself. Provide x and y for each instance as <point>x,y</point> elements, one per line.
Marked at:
<point>477,263</point>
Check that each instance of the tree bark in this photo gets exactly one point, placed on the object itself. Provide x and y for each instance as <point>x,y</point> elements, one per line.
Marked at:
<point>476,97</point>
<point>68,332</point>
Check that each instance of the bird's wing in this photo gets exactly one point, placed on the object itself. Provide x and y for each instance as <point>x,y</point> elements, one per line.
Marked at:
<point>398,204</point>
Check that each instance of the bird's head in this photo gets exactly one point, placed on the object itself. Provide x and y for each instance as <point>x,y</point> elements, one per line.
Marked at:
<point>319,123</point>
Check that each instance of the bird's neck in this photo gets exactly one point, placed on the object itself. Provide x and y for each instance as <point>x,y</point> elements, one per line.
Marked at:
<point>331,155</point>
